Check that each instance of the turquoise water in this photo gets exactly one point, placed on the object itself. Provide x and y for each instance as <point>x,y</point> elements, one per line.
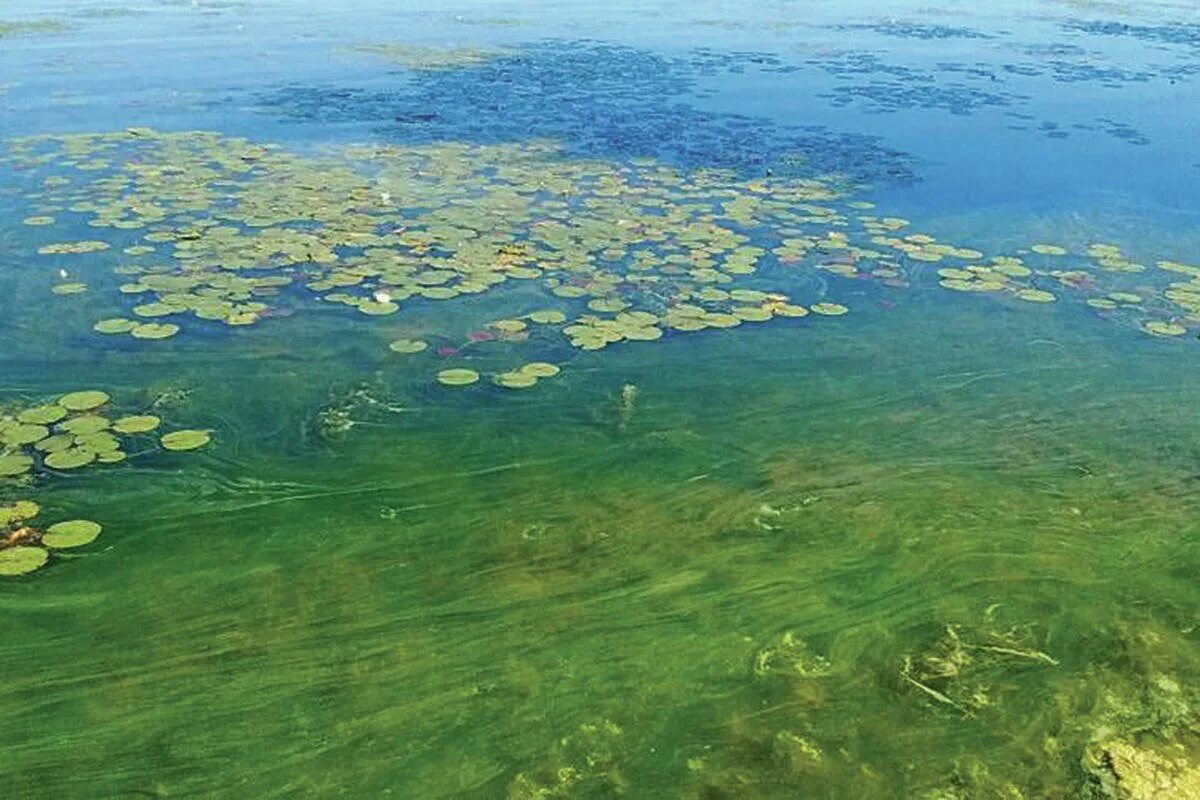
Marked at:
<point>910,512</point>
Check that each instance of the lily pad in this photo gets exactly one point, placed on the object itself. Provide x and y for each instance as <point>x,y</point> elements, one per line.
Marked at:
<point>115,325</point>
<point>72,533</point>
<point>151,330</point>
<point>88,423</point>
<point>22,560</point>
<point>516,380</point>
<point>13,465</point>
<point>136,424</point>
<point>42,415</point>
<point>71,458</point>
<point>186,440</point>
<point>457,377</point>
<point>83,401</point>
<point>408,346</point>
<point>540,369</point>
<point>828,309</point>
<point>22,509</point>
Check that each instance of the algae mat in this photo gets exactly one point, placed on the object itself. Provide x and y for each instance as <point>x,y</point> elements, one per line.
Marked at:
<point>761,406</point>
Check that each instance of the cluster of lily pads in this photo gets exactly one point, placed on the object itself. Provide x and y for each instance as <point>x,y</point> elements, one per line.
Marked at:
<point>66,434</point>
<point>423,57</point>
<point>222,230</point>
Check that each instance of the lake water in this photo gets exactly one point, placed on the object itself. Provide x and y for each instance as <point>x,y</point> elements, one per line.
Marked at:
<point>547,400</point>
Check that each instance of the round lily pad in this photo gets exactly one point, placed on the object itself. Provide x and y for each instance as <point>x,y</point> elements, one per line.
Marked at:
<point>88,423</point>
<point>457,377</point>
<point>548,317</point>
<point>21,509</point>
<point>186,440</point>
<point>1165,328</point>
<point>540,369</point>
<point>828,309</point>
<point>20,560</point>
<point>42,415</point>
<point>115,325</point>
<point>12,465</point>
<point>52,444</point>
<point>1036,296</point>
<point>26,434</point>
<point>72,533</point>
<point>71,458</point>
<point>136,424</point>
<point>408,346</point>
<point>516,380</point>
<point>83,401</point>
<point>152,330</point>
<point>69,288</point>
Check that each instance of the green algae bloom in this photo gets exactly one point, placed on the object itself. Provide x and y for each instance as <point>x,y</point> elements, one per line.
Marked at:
<point>72,533</point>
<point>83,401</point>
<point>457,377</point>
<point>186,439</point>
<point>22,560</point>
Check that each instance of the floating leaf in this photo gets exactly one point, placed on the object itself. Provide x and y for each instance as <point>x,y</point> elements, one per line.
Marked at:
<point>828,309</point>
<point>71,458</point>
<point>21,560</point>
<point>72,533</point>
<point>408,346</point>
<point>116,325</point>
<point>42,415</point>
<point>457,377</point>
<point>83,401</point>
<point>136,424</point>
<point>12,465</point>
<point>186,440</point>
<point>153,330</point>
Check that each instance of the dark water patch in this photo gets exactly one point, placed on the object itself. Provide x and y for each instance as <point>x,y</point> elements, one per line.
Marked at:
<point>915,30</point>
<point>601,100</point>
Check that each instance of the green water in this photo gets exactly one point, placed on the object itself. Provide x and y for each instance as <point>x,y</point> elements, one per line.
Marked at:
<point>437,601</point>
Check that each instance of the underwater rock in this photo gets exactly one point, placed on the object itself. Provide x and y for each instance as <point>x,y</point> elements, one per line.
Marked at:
<point>1122,771</point>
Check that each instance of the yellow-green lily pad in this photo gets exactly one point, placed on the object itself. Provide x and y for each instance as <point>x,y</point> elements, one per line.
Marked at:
<point>72,533</point>
<point>153,330</point>
<point>457,377</point>
<point>136,424</point>
<point>186,440</point>
<point>42,415</point>
<point>13,465</point>
<point>83,401</point>
<point>22,560</point>
<point>408,346</point>
<point>71,458</point>
<point>115,325</point>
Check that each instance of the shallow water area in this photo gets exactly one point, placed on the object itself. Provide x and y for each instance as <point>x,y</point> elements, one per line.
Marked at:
<point>529,401</point>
